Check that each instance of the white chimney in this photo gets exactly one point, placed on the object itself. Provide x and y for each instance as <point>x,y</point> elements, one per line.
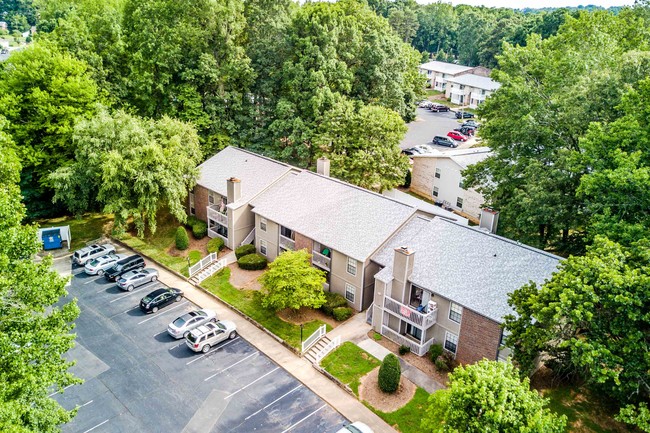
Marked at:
<point>489,219</point>
<point>323,166</point>
<point>233,189</point>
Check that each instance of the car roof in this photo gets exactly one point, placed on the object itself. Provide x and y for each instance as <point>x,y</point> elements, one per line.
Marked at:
<point>157,292</point>
<point>204,328</point>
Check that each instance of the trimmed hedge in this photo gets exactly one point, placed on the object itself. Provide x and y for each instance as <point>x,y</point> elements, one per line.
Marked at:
<point>215,244</point>
<point>342,313</point>
<point>389,374</point>
<point>182,240</point>
<point>333,300</point>
<point>252,262</point>
<point>404,349</point>
<point>445,362</point>
<point>244,250</point>
<point>199,228</point>
<point>435,351</point>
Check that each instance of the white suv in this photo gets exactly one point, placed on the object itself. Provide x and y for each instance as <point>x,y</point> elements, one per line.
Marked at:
<point>201,339</point>
<point>85,254</point>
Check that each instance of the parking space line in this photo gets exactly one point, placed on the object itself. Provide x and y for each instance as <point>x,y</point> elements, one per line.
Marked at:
<point>229,367</point>
<point>132,292</point>
<point>55,393</point>
<point>86,404</point>
<point>215,349</point>
<point>272,403</point>
<point>158,315</point>
<point>313,413</point>
<point>93,428</point>
<point>178,345</point>
<point>256,380</point>
<point>93,280</point>
<point>103,289</point>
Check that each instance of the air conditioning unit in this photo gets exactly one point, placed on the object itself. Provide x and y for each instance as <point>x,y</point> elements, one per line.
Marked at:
<point>432,306</point>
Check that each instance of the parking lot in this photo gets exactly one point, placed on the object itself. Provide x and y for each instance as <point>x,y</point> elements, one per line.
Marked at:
<point>429,124</point>
<point>139,379</point>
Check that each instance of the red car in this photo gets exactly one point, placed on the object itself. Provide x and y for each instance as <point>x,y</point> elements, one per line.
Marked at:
<point>457,136</point>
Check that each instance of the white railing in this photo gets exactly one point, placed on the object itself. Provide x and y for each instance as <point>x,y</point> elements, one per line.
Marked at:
<point>478,96</point>
<point>369,313</point>
<point>327,349</point>
<point>418,348</point>
<point>409,314</point>
<point>211,270</point>
<point>215,215</point>
<point>287,243</point>
<point>205,261</point>
<point>214,234</point>
<point>320,260</point>
<point>313,338</point>
<point>248,239</point>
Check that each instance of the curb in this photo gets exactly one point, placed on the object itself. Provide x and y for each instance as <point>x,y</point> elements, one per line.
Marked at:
<point>341,385</point>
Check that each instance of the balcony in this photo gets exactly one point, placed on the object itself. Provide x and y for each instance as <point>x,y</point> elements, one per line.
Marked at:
<point>416,347</point>
<point>478,96</point>
<point>422,320</point>
<point>287,243</point>
<point>321,260</point>
<point>215,215</point>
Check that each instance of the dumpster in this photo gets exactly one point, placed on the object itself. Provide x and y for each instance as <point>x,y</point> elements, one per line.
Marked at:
<point>51,239</point>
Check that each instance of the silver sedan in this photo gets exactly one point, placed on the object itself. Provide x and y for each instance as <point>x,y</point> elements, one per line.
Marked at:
<point>134,279</point>
<point>182,326</point>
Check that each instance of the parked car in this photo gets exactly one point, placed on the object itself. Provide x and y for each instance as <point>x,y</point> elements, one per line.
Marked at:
<point>86,254</point>
<point>471,123</point>
<point>182,325</point>
<point>424,148</point>
<point>204,337</point>
<point>356,427</point>
<point>455,135</point>
<point>425,104</point>
<point>160,298</point>
<point>464,115</point>
<point>101,264</point>
<point>123,266</point>
<point>444,141</point>
<point>438,108</point>
<point>133,279</point>
<point>417,150</point>
<point>466,130</point>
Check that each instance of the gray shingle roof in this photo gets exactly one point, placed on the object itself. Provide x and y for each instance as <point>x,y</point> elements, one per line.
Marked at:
<point>445,68</point>
<point>466,265</point>
<point>255,172</point>
<point>477,81</point>
<point>462,157</point>
<point>348,219</point>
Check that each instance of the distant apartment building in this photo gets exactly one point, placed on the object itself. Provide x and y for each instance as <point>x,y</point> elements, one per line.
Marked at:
<point>470,89</point>
<point>439,73</point>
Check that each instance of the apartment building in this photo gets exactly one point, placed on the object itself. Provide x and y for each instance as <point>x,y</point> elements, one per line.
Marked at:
<point>470,89</point>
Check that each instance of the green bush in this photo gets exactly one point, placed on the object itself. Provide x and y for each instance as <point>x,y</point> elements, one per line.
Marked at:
<point>389,374</point>
<point>333,300</point>
<point>199,228</point>
<point>377,336</point>
<point>182,241</point>
<point>404,349</point>
<point>252,262</point>
<point>244,250</point>
<point>445,362</point>
<point>435,351</point>
<point>215,245</point>
<point>407,179</point>
<point>342,313</point>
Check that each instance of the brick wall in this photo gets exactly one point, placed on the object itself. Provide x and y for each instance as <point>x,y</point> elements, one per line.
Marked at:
<point>479,338</point>
<point>201,202</point>
<point>303,242</point>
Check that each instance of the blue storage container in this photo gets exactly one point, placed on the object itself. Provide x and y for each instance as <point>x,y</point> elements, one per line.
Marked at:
<point>51,239</point>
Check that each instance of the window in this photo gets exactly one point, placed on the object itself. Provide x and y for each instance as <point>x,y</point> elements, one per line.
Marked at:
<point>414,331</point>
<point>210,198</point>
<point>504,337</point>
<point>262,247</point>
<point>438,171</point>
<point>483,92</point>
<point>263,224</point>
<point>462,87</point>
<point>192,210</point>
<point>451,342</point>
<point>352,266</point>
<point>459,202</point>
<point>435,191</point>
<point>455,312</point>
<point>287,233</point>
<point>349,292</point>
<point>461,184</point>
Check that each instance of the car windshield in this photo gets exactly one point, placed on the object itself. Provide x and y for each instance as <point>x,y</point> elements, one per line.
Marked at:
<point>179,322</point>
<point>94,262</point>
<point>221,326</point>
<point>353,429</point>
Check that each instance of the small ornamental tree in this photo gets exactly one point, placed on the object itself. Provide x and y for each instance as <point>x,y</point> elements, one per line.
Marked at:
<point>389,374</point>
<point>292,282</point>
<point>182,240</point>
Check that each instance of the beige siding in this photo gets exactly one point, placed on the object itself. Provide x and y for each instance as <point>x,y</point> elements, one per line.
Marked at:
<point>243,221</point>
<point>339,276</point>
<point>271,236</point>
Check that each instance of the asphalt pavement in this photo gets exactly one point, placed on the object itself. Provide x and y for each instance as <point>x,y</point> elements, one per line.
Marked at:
<point>428,124</point>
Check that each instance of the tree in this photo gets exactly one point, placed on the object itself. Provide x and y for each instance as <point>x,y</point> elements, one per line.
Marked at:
<point>590,320</point>
<point>131,167</point>
<point>292,282</point>
<point>405,23</point>
<point>389,374</point>
<point>489,397</point>
<point>34,326</point>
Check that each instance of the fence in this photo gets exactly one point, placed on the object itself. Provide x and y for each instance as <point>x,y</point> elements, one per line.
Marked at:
<point>327,349</point>
<point>205,261</point>
<point>313,338</point>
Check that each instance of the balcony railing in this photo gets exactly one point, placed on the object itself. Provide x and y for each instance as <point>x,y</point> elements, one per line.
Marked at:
<point>287,243</point>
<point>214,234</point>
<point>422,320</point>
<point>478,96</point>
<point>321,260</point>
<point>215,215</point>
<point>418,348</point>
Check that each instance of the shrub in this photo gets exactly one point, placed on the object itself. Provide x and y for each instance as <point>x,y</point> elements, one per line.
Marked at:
<point>334,300</point>
<point>215,244</point>
<point>377,336</point>
<point>445,362</point>
<point>199,228</point>
<point>435,351</point>
<point>252,262</point>
<point>407,179</point>
<point>389,374</point>
<point>244,250</point>
<point>182,241</point>
<point>403,349</point>
<point>342,313</point>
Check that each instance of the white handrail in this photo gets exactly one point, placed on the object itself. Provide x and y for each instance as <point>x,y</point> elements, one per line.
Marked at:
<point>205,261</point>
<point>313,338</point>
<point>327,349</point>
<point>212,270</point>
<point>249,239</point>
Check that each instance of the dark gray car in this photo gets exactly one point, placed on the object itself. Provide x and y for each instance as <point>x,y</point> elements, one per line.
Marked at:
<point>444,141</point>
<point>137,278</point>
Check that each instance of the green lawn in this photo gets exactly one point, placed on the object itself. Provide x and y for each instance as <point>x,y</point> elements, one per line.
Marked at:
<point>407,419</point>
<point>349,363</point>
<point>87,228</point>
<point>244,301</point>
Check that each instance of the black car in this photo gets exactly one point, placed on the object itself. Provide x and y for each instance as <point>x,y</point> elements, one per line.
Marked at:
<point>464,115</point>
<point>160,298</point>
<point>466,130</point>
<point>471,123</point>
<point>123,266</point>
<point>444,141</point>
<point>438,108</point>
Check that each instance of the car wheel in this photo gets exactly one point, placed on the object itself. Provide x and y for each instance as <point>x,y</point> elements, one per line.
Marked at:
<point>178,298</point>
<point>206,348</point>
<point>154,278</point>
<point>100,272</point>
<point>232,335</point>
<point>130,288</point>
<point>154,309</point>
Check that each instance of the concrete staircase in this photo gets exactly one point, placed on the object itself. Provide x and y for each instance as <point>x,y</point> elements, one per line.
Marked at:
<point>310,355</point>
<point>213,268</point>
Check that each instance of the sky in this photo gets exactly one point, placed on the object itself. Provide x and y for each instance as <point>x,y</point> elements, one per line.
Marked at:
<point>518,4</point>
